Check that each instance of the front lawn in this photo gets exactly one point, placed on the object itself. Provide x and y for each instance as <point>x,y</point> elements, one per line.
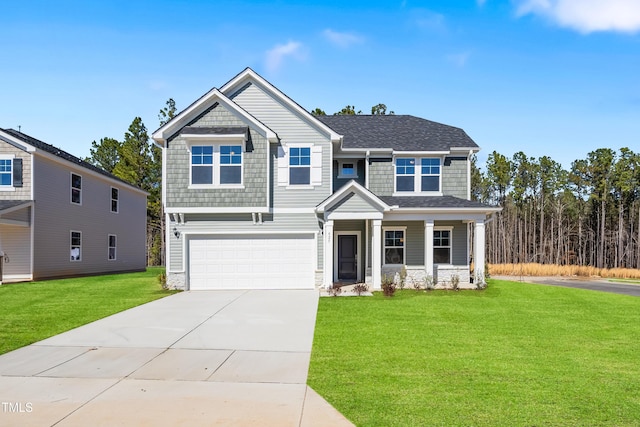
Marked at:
<point>516,354</point>
<point>31,312</point>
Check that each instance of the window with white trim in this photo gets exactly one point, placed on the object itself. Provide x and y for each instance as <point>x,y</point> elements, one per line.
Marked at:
<point>394,246</point>
<point>115,200</point>
<point>111,247</point>
<point>6,172</point>
<point>426,179</point>
<point>216,164</point>
<point>76,246</point>
<point>76,189</point>
<point>442,246</point>
<point>300,166</point>
<point>347,169</point>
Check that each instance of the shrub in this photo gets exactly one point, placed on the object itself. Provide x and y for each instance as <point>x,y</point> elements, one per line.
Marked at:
<point>429,283</point>
<point>402,277</point>
<point>360,288</point>
<point>162,279</point>
<point>455,282</point>
<point>388,286</point>
<point>334,290</point>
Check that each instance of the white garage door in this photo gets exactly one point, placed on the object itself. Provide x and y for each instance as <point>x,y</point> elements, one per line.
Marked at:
<point>252,262</point>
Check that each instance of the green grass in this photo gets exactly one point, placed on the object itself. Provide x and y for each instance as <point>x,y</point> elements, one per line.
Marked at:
<point>627,281</point>
<point>513,355</point>
<point>33,311</point>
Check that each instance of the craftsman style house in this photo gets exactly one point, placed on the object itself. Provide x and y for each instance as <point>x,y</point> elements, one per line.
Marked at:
<point>61,216</point>
<point>261,194</point>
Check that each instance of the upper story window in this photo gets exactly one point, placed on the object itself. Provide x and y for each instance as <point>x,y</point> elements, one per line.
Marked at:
<point>394,246</point>
<point>6,173</point>
<point>418,175</point>
<point>115,200</point>
<point>442,246</point>
<point>216,164</point>
<point>76,189</point>
<point>347,169</point>
<point>300,166</point>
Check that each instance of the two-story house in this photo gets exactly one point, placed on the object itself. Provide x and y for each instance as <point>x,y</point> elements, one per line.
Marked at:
<point>261,194</point>
<point>61,216</point>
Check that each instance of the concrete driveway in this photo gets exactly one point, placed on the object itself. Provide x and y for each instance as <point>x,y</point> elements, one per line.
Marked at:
<point>194,358</point>
<point>602,285</point>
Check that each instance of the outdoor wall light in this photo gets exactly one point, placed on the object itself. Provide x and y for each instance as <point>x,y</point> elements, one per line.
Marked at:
<point>176,232</point>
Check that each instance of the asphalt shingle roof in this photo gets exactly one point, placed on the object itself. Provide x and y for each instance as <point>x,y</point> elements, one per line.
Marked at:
<point>60,153</point>
<point>431,202</point>
<point>397,132</point>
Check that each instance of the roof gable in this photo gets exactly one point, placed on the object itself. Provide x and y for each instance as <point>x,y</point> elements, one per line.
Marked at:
<point>398,133</point>
<point>353,197</point>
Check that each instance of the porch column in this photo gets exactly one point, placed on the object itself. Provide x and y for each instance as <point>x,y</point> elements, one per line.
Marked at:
<point>478,253</point>
<point>428,248</point>
<point>327,249</point>
<point>376,248</point>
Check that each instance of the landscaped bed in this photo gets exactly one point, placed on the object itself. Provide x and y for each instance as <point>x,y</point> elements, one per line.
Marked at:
<point>33,311</point>
<point>514,354</point>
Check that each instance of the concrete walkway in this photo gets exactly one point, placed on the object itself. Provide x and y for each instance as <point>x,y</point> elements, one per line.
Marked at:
<point>192,359</point>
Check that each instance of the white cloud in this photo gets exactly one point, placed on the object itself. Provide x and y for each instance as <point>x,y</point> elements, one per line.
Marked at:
<point>586,16</point>
<point>343,40</point>
<point>459,59</point>
<point>428,20</point>
<point>481,2</point>
<point>276,55</point>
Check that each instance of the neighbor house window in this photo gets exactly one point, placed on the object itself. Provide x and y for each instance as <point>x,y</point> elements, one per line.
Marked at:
<point>442,246</point>
<point>76,189</point>
<point>417,175</point>
<point>115,196</point>
<point>394,246</point>
<point>76,246</point>
<point>300,166</point>
<point>347,170</point>
<point>430,174</point>
<point>216,164</point>
<point>6,172</point>
<point>112,247</point>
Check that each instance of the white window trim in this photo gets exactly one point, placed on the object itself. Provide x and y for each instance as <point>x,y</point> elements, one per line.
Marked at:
<point>71,188</point>
<point>71,245</point>
<point>9,187</point>
<point>341,163</point>
<point>417,176</point>
<point>216,144</point>
<point>450,230</point>
<point>116,200</point>
<point>404,243</point>
<point>315,168</point>
<point>115,248</point>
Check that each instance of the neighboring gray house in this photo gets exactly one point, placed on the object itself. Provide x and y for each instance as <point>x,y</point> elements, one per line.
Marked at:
<point>259,193</point>
<point>61,216</point>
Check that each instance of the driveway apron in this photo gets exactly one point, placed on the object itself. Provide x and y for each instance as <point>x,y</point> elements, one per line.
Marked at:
<point>194,358</point>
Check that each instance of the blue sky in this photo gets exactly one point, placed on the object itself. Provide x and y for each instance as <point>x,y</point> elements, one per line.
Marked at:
<point>547,77</point>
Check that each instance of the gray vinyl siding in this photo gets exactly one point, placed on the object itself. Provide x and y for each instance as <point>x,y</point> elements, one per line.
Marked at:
<point>354,203</point>
<point>15,244</point>
<point>381,178</point>
<point>238,223</point>
<point>24,192</point>
<point>354,225</point>
<point>339,182</point>
<point>55,217</point>
<point>287,197</point>
<point>454,177</point>
<point>254,193</point>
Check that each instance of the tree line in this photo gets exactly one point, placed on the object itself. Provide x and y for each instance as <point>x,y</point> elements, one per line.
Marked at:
<point>588,214</point>
<point>138,161</point>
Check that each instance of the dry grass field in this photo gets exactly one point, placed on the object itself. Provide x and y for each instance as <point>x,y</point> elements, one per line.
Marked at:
<point>541,270</point>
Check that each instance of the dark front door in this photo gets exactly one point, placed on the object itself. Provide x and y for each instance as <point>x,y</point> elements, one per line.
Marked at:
<point>347,255</point>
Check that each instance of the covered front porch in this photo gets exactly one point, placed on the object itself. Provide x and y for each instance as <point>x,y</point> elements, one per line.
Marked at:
<point>16,237</point>
<point>366,237</point>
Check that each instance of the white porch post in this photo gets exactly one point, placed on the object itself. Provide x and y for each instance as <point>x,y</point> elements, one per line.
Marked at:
<point>376,248</point>
<point>327,268</point>
<point>478,253</point>
<point>428,248</point>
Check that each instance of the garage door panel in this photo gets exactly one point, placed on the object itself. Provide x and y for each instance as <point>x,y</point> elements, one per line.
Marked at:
<point>252,262</point>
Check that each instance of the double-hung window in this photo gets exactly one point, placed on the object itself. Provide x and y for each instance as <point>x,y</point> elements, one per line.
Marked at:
<point>6,172</point>
<point>216,165</point>
<point>394,246</point>
<point>76,246</point>
<point>417,175</point>
<point>111,247</point>
<point>300,166</point>
<point>76,189</point>
<point>115,200</point>
<point>442,246</point>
